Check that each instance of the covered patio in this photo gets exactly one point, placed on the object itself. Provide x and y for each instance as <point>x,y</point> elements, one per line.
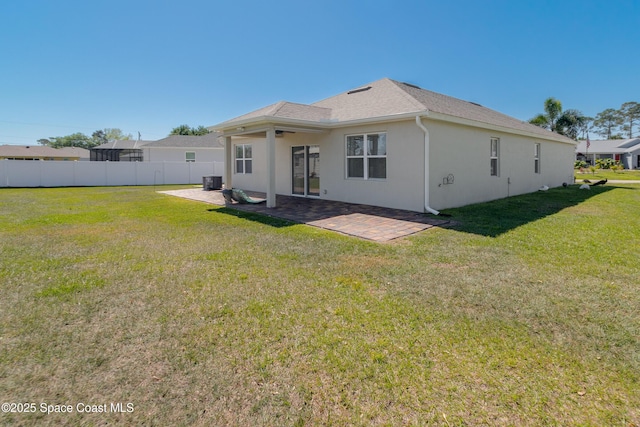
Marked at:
<point>363,221</point>
<point>265,128</point>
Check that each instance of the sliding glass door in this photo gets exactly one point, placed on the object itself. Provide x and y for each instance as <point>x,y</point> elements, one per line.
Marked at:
<point>305,170</point>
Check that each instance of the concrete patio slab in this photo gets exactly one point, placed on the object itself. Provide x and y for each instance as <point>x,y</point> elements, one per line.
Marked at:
<point>363,221</point>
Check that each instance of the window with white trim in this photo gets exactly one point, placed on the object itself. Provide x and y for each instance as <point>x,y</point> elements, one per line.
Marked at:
<point>243,159</point>
<point>536,158</point>
<point>366,156</point>
<point>190,156</point>
<point>495,157</point>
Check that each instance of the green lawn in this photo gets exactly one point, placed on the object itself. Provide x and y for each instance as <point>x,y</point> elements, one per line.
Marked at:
<point>626,175</point>
<point>527,313</point>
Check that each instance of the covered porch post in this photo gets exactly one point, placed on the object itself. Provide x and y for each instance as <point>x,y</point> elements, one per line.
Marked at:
<point>271,167</point>
<point>228,162</point>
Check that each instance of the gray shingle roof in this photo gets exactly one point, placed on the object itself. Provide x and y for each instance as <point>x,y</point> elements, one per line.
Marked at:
<point>37,151</point>
<point>611,146</point>
<point>384,99</point>
<point>377,99</point>
<point>444,104</point>
<point>290,110</point>
<point>128,144</point>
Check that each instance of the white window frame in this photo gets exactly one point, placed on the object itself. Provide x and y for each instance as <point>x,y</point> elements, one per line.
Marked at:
<point>494,157</point>
<point>536,158</point>
<point>365,156</point>
<point>244,160</point>
<point>186,156</point>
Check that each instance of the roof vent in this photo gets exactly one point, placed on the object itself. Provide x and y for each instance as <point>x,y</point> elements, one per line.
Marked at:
<point>474,103</point>
<point>410,85</point>
<point>362,89</point>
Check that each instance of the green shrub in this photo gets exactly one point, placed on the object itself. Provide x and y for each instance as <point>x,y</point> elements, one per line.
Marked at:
<point>579,164</point>
<point>607,163</point>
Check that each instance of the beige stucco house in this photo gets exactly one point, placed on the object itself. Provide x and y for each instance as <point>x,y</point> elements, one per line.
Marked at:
<point>395,145</point>
<point>174,148</point>
<point>185,148</point>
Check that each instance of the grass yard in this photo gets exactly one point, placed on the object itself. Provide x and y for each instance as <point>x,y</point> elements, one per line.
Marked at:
<point>626,175</point>
<point>526,313</point>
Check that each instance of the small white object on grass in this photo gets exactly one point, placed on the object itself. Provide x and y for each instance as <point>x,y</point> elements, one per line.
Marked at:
<point>585,187</point>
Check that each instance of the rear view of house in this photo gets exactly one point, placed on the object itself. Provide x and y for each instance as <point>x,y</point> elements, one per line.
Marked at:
<point>395,145</point>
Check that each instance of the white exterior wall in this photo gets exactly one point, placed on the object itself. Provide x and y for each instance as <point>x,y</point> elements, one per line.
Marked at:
<point>464,152</point>
<point>457,150</point>
<point>257,179</point>
<point>166,154</point>
<point>404,186</point>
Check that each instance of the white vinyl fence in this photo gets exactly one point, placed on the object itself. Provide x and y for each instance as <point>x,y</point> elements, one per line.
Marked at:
<point>26,173</point>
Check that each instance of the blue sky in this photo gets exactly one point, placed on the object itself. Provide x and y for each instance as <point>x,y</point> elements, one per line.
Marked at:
<point>139,65</point>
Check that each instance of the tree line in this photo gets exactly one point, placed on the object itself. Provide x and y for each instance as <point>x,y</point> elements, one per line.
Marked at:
<point>609,124</point>
<point>103,136</point>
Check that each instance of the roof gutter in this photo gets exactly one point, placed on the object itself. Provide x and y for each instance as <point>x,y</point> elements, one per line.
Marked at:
<point>234,127</point>
<point>427,208</point>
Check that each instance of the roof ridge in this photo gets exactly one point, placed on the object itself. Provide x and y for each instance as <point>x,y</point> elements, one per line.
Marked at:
<point>313,104</point>
<point>277,107</point>
<point>449,97</point>
<point>407,94</point>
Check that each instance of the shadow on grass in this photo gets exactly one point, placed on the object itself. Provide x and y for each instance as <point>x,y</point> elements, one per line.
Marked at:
<point>500,216</point>
<point>256,217</point>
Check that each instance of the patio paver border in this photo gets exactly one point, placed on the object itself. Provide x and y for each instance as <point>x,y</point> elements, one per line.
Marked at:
<point>364,221</point>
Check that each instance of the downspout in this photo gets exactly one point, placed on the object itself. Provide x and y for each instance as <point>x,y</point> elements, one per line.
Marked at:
<point>427,168</point>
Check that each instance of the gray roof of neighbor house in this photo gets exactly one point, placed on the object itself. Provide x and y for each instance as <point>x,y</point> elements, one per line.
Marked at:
<point>384,100</point>
<point>38,151</point>
<point>210,140</point>
<point>611,146</point>
<point>128,144</point>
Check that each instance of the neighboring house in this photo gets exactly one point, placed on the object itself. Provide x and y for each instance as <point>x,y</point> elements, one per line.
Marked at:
<point>181,148</point>
<point>395,145</point>
<point>39,152</point>
<point>119,151</point>
<point>625,151</point>
<point>174,148</point>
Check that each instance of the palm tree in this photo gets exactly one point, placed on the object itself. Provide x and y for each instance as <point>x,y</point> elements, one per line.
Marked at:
<point>572,122</point>
<point>569,123</point>
<point>552,112</point>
